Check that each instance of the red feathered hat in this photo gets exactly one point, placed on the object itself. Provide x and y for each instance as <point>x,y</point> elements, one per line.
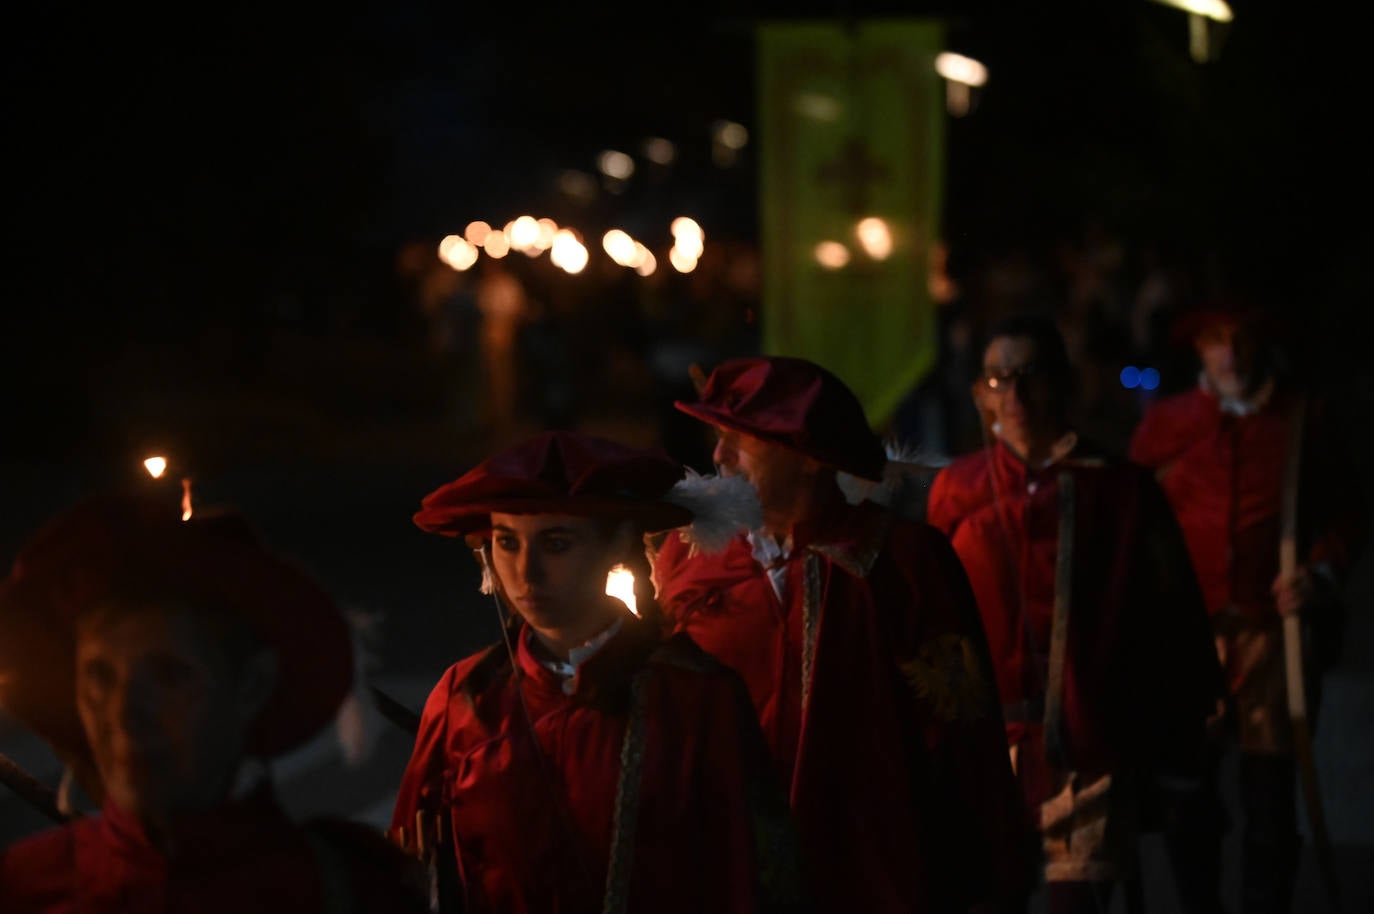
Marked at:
<point>137,548</point>
<point>559,472</point>
<point>795,403</point>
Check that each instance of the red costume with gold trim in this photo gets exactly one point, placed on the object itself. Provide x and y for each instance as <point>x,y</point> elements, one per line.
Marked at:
<point>885,727</point>
<point>1139,673</point>
<point>530,779</point>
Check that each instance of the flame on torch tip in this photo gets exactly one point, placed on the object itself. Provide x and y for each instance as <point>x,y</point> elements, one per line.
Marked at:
<point>620,583</point>
<point>155,466</point>
<point>186,499</point>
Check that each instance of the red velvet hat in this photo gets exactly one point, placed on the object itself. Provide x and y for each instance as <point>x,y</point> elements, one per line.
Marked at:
<point>795,403</point>
<point>559,472</point>
<point>138,548</point>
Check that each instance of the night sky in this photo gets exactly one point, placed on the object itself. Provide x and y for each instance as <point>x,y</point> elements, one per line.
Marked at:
<point>179,184</point>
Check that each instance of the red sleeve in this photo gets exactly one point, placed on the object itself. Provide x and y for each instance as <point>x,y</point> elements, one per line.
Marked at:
<point>422,783</point>
<point>37,873</point>
<point>940,512</point>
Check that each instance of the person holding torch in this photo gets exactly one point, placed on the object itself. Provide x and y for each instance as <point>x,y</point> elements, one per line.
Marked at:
<point>586,763</point>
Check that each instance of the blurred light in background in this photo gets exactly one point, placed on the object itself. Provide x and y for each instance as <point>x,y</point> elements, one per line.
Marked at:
<point>1201,13</point>
<point>615,164</point>
<point>688,244</point>
<point>960,69</point>
<point>1216,10</point>
<point>1143,378</point>
<point>647,262</point>
<point>458,253</point>
<point>620,247</point>
<point>659,151</point>
<point>497,245</point>
<point>524,233</point>
<point>477,232</point>
<point>962,74</point>
<point>155,466</point>
<point>567,252</point>
<point>547,229</point>
<point>727,139</point>
<point>832,255</point>
<point>875,237</point>
<point>681,261</point>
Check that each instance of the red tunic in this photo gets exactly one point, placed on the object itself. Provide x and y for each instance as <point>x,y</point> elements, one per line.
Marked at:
<point>245,856</point>
<point>1140,673</point>
<point>1223,474</point>
<point>893,744</point>
<point>533,832</point>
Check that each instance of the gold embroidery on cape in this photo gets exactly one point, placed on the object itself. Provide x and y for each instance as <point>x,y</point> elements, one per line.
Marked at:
<point>947,676</point>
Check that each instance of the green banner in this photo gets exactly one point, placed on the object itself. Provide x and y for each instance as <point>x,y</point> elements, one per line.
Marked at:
<point>851,145</point>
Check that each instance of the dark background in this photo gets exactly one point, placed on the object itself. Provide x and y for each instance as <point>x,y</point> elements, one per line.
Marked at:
<point>187,193</point>
<point>206,216</point>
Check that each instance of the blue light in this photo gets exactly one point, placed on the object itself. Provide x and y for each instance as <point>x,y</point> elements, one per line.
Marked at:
<point>1130,377</point>
<point>1149,379</point>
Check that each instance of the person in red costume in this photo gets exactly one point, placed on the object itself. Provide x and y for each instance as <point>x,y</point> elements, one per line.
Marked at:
<point>1221,451</point>
<point>1102,652</point>
<point>164,660</point>
<point>855,630</point>
<point>589,764</point>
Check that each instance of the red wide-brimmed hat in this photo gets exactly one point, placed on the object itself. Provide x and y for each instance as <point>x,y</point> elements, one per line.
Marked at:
<point>136,548</point>
<point>560,472</point>
<point>795,403</point>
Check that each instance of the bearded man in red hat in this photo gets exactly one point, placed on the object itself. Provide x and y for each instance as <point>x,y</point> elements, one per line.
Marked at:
<point>164,660</point>
<point>1230,453</point>
<point>588,764</point>
<point>1103,656</point>
<point>856,633</point>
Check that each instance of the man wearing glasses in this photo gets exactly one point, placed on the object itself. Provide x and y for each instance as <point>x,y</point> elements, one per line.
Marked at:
<point>1095,622</point>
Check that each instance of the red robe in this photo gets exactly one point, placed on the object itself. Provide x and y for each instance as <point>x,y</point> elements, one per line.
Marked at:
<point>533,835</point>
<point>897,771</point>
<point>1140,671</point>
<point>242,856</point>
<point>1224,477</point>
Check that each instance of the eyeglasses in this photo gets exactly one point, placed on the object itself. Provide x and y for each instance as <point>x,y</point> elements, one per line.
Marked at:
<point>1000,381</point>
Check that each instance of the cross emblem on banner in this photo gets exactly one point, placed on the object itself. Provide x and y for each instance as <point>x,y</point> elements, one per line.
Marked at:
<point>854,169</point>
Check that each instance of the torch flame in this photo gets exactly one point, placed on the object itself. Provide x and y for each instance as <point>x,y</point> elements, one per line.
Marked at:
<point>186,499</point>
<point>155,466</point>
<point>620,583</point>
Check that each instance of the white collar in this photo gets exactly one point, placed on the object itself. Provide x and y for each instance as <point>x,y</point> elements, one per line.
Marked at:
<point>567,669</point>
<point>1238,406</point>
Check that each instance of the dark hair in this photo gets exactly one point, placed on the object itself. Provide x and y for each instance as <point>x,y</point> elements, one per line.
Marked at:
<point>1051,355</point>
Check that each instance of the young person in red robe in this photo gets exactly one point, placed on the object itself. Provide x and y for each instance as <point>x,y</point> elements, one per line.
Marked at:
<point>1104,660</point>
<point>1221,451</point>
<point>587,764</point>
<point>163,660</point>
<point>856,632</point>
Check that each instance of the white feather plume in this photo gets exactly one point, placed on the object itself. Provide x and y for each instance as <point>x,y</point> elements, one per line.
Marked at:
<point>906,479</point>
<point>721,506</point>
